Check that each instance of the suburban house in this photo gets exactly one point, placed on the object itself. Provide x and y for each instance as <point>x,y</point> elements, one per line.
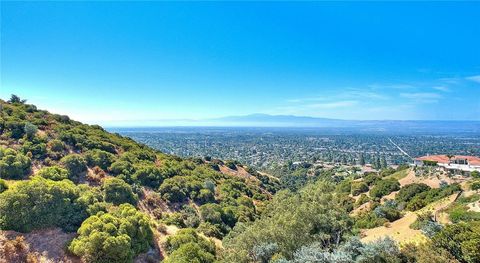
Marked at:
<point>453,164</point>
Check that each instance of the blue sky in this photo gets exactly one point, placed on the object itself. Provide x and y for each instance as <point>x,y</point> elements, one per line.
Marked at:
<point>107,62</point>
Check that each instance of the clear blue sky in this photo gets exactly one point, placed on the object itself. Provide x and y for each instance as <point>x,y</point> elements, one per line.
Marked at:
<point>103,62</point>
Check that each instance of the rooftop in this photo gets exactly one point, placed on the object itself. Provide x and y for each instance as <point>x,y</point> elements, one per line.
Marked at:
<point>472,160</point>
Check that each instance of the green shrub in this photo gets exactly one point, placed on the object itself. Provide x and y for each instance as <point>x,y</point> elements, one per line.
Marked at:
<point>460,211</point>
<point>462,240</point>
<point>118,192</point>
<point>369,220</point>
<point>30,130</point>
<point>424,198</point>
<point>54,173</point>
<point>475,185</point>
<point>37,149</point>
<point>344,186</point>
<point>149,175</point>
<point>121,167</point>
<point>3,186</point>
<point>475,174</point>
<point>13,165</point>
<point>40,203</point>
<point>371,178</point>
<point>210,230</point>
<point>362,200</point>
<point>16,128</point>
<point>358,188</point>
<point>56,145</point>
<point>185,236</point>
<point>116,236</point>
<point>409,191</point>
<point>231,164</point>
<point>384,187</point>
<point>75,164</point>
<point>190,252</point>
<point>99,158</point>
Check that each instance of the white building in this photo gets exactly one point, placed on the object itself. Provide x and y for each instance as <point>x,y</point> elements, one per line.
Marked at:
<point>453,164</point>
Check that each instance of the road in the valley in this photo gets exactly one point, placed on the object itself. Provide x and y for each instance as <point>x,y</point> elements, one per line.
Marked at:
<point>400,149</point>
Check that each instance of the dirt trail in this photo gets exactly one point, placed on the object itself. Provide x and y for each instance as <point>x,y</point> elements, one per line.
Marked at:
<point>400,230</point>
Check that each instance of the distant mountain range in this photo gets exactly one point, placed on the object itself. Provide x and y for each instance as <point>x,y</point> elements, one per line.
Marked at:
<point>265,120</point>
<point>291,121</point>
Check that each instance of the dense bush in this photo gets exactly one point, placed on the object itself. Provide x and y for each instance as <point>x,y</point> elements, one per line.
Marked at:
<point>379,215</point>
<point>118,192</point>
<point>368,220</point>
<point>219,219</point>
<point>188,246</point>
<point>35,148</point>
<point>422,199</point>
<point>56,145</point>
<point>13,165</point>
<point>292,221</point>
<point>190,252</point>
<point>3,185</point>
<point>371,178</point>
<point>426,253</point>
<point>54,173</point>
<point>30,130</point>
<point>40,203</point>
<point>75,164</point>
<point>231,164</point>
<point>382,250</point>
<point>462,240</point>
<point>149,175</point>
<point>116,236</point>
<point>388,211</point>
<point>15,128</point>
<point>99,158</point>
<point>121,167</point>
<point>358,188</point>
<point>475,174</point>
<point>362,200</point>
<point>460,211</point>
<point>384,187</point>
<point>179,188</point>
<point>344,186</point>
<point>475,185</point>
<point>409,191</point>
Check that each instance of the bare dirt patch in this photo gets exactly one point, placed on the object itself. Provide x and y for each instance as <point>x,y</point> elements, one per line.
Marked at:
<point>400,230</point>
<point>47,245</point>
<point>361,208</point>
<point>433,181</point>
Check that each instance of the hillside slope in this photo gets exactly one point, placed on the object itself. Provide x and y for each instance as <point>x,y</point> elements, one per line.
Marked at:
<point>70,174</point>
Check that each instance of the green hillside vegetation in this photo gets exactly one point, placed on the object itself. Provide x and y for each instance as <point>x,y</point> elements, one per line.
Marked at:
<point>121,198</point>
<point>70,174</point>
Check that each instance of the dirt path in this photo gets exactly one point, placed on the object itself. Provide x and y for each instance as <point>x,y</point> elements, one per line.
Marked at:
<point>400,230</point>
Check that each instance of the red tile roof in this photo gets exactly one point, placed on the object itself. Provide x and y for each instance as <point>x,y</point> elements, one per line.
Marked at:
<point>473,160</point>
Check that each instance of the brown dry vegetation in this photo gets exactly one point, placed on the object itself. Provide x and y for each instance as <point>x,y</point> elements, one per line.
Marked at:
<point>37,246</point>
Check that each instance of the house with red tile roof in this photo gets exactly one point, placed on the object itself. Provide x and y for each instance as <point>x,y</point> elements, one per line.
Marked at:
<point>453,164</point>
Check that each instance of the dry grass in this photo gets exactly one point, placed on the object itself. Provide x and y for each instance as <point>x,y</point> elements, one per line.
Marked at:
<point>361,208</point>
<point>399,175</point>
<point>37,246</point>
<point>400,230</point>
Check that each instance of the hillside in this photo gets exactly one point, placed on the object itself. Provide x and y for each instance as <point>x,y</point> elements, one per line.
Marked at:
<point>66,172</point>
<point>71,192</point>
